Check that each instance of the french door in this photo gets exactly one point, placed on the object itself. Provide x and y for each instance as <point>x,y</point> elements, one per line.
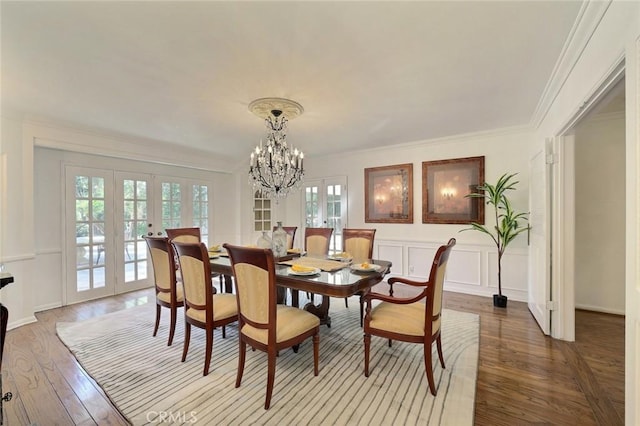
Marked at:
<point>90,269</point>
<point>182,203</point>
<point>325,206</point>
<point>134,220</point>
<point>107,214</point>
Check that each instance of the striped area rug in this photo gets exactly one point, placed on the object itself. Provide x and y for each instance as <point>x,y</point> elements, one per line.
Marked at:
<point>147,382</point>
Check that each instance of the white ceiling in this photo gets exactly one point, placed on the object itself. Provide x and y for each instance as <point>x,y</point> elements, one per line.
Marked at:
<point>367,73</point>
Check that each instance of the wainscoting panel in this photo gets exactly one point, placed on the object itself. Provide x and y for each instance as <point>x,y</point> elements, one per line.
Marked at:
<point>513,264</point>
<point>472,268</point>
<point>420,259</point>
<point>393,253</point>
<point>465,267</point>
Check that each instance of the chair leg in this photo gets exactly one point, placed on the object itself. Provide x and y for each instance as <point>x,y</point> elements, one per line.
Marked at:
<point>242,352</point>
<point>429,368</point>
<point>187,337</point>
<point>271,375</point>
<point>155,329</point>
<point>224,332</point>
<point>439,346</point>
<point>346,302</point>
<point>361,311</point>
<point>208,350</point>
<point>316,352</point>
<point>172,327</point>
<point>367,345</point>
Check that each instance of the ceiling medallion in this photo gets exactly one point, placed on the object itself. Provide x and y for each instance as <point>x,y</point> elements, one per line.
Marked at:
<point>262,107</point>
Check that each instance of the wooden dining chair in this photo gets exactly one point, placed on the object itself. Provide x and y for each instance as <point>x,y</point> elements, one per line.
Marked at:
<point>184,235</point>
<point>190,235</point>
<point>316,244</point>
<point>169,293</point>
<point>410,319</point>
<point>317,241</point>
<point>263,324</point>
<point>291,235</point>
<point>202,308</point>
<point>359,244</point>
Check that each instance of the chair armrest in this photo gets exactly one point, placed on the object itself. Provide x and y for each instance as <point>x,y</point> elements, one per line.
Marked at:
<point>397,300</point>
<point>393,280</point>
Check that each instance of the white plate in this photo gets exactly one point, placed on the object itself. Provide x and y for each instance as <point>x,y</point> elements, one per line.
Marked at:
<point>340,258</point>
<point>372,267</point>
<point>303,274</point>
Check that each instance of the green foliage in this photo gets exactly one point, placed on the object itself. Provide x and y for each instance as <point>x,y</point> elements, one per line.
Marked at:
<point>508,223</point>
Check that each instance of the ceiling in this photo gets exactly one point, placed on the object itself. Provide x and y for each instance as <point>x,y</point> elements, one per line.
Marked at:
<point>368,74</point>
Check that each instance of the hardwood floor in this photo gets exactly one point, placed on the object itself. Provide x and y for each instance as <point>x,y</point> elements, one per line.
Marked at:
<point>523,376</point>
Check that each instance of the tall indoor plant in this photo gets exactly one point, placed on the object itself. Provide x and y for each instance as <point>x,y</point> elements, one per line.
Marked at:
<point>508,223</point>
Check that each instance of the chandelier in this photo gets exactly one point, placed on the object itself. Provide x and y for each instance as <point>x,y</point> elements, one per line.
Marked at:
<point>275,168</point>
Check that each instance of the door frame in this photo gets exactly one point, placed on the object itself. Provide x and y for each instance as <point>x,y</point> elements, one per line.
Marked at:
<point>563,214</point>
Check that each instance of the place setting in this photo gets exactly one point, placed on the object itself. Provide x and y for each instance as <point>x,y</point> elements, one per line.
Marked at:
<point>215,251</point>
<point>302,270</point>
<point>365,267</point>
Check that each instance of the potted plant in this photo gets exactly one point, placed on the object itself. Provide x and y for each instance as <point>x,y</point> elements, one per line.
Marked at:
<point>508,223</point>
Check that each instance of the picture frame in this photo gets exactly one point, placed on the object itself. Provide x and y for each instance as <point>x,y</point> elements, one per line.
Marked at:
<point>445,186</point>
<point>388,194</point>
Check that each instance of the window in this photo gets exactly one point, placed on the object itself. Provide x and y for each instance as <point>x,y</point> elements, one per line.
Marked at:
<point>261,212</point>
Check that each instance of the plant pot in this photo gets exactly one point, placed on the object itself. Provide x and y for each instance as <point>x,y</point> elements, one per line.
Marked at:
<point>499,301</point>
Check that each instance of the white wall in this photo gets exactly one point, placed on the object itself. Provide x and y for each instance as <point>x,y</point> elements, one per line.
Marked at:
<point>472,268</point>
<point>600,214</point>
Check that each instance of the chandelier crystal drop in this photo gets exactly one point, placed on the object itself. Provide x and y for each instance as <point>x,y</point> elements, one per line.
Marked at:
<point>275,168</point>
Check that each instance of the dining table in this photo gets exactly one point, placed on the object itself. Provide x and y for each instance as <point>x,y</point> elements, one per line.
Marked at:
<point>330,279</point>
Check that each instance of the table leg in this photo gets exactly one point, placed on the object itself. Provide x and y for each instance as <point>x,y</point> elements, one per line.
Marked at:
<point>228,283</point>
<point>321,310</point>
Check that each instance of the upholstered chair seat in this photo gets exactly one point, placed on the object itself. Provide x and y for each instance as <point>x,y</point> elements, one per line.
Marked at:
<point>404,319</point>
<point>290,323</point>
<point>225,306</point>
<point>166,297</point>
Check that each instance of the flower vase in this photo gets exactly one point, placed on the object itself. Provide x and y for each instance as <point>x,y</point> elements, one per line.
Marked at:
<point>279,241</point>
<point>264,240</point>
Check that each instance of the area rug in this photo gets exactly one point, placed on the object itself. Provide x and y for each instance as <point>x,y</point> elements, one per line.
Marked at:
<point>146,381</point>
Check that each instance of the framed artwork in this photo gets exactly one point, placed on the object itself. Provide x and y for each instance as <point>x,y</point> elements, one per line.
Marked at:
<point>388,194</point>
<point>445,186</point>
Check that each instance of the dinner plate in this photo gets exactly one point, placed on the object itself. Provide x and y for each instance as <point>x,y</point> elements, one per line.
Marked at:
<point>215,249</point>
<point>303,274</point>
<point>341,258</point>
<point>371,268</point>
<point>214,255</point>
